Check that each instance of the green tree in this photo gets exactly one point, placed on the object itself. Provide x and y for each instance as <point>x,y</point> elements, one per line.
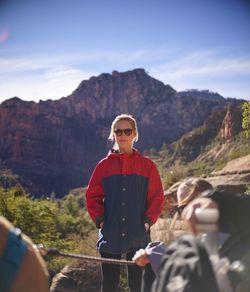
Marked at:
<point>71,205</point>
<point>246,118</point>
<point>59,223</point>
<point>38,219</point>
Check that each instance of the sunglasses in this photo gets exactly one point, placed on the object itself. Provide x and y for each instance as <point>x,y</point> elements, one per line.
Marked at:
<point>127,132</point>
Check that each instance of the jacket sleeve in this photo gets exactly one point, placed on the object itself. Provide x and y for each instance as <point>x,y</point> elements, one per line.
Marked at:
<point>155,251</point>
<point>155,196</point>
<point>94,197</point>
<point>234,211</point>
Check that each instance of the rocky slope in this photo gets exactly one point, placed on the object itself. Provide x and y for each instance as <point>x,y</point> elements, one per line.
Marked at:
<point>211,141</point>
<point>54,145</point>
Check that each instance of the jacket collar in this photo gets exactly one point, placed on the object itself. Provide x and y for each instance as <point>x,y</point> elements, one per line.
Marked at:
<point>116,154</point>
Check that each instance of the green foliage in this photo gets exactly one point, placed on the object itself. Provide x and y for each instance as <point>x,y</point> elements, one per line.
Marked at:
<point>239,152</point>
<point>189,147</point>
<point>184,158</point>
<point>123,280</point>
<point>247,192</point>
<point>7,178</point>
<point>199,168</point>
<point>219,164</point>
<point>45,221</point>
<point>173,175</point>
<point>246,118</point>
<point>71,206</point>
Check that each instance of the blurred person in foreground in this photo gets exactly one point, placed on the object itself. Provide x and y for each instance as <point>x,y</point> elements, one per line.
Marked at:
<point>124,198</point>
<point>22,268</point>
<point>234,217</point>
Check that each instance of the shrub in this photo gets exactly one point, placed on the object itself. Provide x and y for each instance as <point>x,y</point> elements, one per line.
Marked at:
<point>44,221</point>
<point>246,118</point>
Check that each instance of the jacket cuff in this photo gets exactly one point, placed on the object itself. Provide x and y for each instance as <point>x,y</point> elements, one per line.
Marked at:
<point>147,220</point>
<point>98,221</point>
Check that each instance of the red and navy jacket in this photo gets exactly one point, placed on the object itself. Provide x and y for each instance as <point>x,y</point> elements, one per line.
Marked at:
<point>124,192</point>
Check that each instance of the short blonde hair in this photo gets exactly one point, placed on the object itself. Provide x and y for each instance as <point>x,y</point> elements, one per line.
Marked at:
<point>124,117</point>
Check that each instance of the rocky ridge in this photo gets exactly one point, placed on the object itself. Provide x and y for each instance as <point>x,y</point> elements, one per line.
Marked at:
<point>54,145</point>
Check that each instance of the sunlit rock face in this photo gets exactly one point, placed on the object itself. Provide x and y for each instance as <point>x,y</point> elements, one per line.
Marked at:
<point>54,145</point>
<point>231,123</point>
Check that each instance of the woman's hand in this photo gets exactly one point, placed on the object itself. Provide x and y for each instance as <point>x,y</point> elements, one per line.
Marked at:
<point>141,258</point>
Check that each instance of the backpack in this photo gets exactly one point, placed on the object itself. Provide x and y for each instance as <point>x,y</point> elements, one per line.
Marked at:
<point>186,268</point>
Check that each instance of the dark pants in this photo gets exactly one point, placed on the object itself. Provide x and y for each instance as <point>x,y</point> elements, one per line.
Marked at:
<point>111,274</point>
<point>148,277</point>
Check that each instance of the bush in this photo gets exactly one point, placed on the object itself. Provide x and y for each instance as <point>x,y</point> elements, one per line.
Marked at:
<point>45,221</point>
<point>173,175</point>
<point>247,192</point>
<point>246,118</point>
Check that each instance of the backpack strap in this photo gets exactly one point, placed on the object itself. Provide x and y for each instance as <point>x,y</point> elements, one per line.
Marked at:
<point>11,259</point>
<point>186,267</point>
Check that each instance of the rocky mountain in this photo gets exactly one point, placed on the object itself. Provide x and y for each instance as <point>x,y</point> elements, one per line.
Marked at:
<point>222,125</point>
<point>54,145</point>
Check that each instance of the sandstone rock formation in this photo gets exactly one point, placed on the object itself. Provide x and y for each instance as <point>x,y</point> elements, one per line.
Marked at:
<point>235,166</point>
<point>231,125</point>
<point>234,177</point>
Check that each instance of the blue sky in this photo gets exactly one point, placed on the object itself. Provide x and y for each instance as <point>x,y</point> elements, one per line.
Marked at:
<point>48,47</point>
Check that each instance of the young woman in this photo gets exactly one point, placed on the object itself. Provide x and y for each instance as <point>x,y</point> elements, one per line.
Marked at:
<point>124,198</point>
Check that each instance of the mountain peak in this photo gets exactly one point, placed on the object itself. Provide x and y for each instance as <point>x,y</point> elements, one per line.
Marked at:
<point>134,71</point>
<point>12,101</point>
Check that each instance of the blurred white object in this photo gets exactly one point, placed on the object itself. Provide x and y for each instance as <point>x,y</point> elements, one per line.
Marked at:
<point>207,227</point>
<point>207,216</point>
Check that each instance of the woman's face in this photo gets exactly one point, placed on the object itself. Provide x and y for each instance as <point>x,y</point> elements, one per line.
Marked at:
<point>124,135</point>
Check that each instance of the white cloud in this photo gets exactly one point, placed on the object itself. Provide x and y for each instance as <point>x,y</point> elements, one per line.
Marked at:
<point>196,64</point>
<point>44,77</point>
<point>29,62</point>
<point>35,77</point>
<point>55,83</point>
<point>206,70</point>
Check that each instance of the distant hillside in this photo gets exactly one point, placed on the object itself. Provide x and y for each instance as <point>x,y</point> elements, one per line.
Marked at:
<point>205,149</point>
<point>54,145</point>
